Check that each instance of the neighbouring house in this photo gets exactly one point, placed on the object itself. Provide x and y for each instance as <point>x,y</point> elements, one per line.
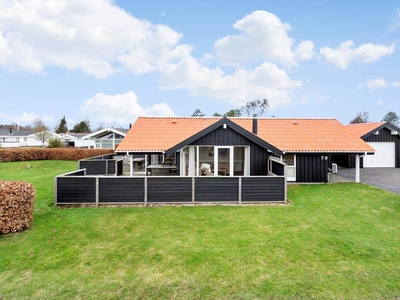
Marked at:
<point>384,137</point>
<point>76,140</point>
<point>20,138</point>
<point>241,146</point>
<point>107,138</point>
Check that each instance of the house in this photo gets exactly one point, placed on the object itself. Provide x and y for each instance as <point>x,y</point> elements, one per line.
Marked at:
<point>20,138</point>
<point>76,140</point>
<point>384,137</point>
<point>241,146</point>
<point>107,138</point>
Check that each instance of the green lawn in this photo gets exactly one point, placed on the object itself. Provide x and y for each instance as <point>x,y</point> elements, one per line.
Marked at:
<point>334,241</point>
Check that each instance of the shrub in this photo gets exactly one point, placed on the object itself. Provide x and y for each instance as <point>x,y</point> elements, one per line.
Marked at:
<point>56,143</point>
<point>27,154</point>
<point>17,200</point>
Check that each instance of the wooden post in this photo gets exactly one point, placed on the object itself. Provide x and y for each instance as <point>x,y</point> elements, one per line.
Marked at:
<point>131,165</point>
<point>145,190</point>
<point>97,191</point>
<point>240,190</point>
<point>357,168</point>
<point>193,190</point>
<point>55,191</point>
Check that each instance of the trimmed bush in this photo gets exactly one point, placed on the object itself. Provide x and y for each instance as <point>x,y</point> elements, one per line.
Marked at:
<point>17,199</point>
<point>28,154</point>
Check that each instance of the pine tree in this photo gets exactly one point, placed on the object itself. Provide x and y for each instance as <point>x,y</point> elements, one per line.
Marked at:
<point>62,127</point>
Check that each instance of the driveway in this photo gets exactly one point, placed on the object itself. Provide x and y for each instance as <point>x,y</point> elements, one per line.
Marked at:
<point>384,178</point>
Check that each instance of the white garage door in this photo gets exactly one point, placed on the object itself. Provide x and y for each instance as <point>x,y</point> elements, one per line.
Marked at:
<point>384,156</point>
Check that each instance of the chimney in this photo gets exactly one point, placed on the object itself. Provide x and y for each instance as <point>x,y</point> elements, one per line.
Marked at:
<point>255,126</point>
<point>11,131</point>
<point>130,125</point>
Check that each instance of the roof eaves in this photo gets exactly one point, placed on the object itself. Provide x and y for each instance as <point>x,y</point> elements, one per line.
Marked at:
<point>233,126</point>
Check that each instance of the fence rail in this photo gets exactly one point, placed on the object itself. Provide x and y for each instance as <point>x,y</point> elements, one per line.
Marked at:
<point>79,189</point>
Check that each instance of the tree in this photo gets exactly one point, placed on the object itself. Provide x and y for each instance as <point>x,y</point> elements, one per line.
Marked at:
<point>62,127</point>
<point>216,115</point>
<point>82,127</point>
<point>362,117</point>
<point>391,117</point>
<point>198,113</point>
<point>41,131</point>
<point>233,113</point>
<point>255,108</point>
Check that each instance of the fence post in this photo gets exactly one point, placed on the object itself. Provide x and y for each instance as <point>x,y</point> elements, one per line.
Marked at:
<point>97,191</point>
<point>106,166</point>
<point>285,182</point>
<point>240,190</point>
<point>55,191</point>
<point>145,190</point>
<point>193,190</point>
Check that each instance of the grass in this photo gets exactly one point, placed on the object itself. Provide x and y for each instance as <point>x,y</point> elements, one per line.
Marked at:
<point>334,241</point>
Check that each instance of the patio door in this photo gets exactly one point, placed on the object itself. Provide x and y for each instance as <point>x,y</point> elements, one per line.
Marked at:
<point>223,161</point>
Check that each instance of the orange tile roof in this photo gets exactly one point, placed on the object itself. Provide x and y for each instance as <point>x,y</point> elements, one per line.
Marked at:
<point>306,135</point>
<point>363,128</point>
<point>288,135</point>
<point>161,133</point>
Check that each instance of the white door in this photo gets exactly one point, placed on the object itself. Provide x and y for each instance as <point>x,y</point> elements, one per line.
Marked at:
<point>384,156</point>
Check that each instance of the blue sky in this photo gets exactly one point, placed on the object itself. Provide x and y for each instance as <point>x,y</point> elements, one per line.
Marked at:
<point>112,61</point>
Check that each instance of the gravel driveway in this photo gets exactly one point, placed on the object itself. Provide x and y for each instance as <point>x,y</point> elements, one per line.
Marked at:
<point>384,178</point>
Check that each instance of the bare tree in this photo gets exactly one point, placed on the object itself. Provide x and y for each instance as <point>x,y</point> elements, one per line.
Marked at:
<point>41,131</point>
<point>255,108</point>
<point>362,117</point>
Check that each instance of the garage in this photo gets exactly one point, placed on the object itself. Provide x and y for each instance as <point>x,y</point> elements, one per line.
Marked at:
<point>384,156</point>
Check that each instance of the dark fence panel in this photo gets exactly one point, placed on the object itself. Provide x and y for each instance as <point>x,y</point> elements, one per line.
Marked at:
<point>76,190</point>
<point>277,168</point>
<point>263,189</point>
<point>94,167</point>
<point>169,189</point>
<point>216,189</point>
<point>111,167</point>
<point>128,189</point>
<point>120,167</point>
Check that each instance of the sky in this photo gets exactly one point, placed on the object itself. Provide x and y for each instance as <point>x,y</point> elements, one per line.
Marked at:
<point>111,61</point>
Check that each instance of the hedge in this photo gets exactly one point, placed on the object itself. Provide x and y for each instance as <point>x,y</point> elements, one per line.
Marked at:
<point>17,199</point>
<point>28,154</point>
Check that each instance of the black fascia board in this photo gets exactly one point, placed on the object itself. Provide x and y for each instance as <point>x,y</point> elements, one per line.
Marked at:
<point>231,125</point>
<point>387,125</point>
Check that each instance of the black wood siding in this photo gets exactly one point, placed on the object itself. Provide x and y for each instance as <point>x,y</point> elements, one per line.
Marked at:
<point>76,190</point>
<point>386,136</point>
<point>216,189</point>
<point>127,189</point>
<point>169,189</point>
<point>120,167</point>
<point>229,137</point>
<point>263,189</point>
<point>312,168</point>
<point>111,166</point>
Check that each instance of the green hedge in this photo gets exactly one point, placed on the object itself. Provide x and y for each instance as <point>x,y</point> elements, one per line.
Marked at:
<point>28,154</point>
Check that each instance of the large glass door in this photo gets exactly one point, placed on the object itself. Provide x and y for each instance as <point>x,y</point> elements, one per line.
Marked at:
<point>223,161</point>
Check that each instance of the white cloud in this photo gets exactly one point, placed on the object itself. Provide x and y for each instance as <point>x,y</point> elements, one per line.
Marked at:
<point>83,35</point>
<point>120,109</point>
<point>396,84</point>
<point>26,118</point>
<point>265,81</point>
<point>374,84</point>
<point>264,37</point>
<point>380,101</point>
<point>396,23</point>
<point>343,55</point>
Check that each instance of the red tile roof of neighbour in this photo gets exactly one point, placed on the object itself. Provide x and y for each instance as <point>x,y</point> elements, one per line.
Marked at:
<point>363,128</point>
<point>289,135</point>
